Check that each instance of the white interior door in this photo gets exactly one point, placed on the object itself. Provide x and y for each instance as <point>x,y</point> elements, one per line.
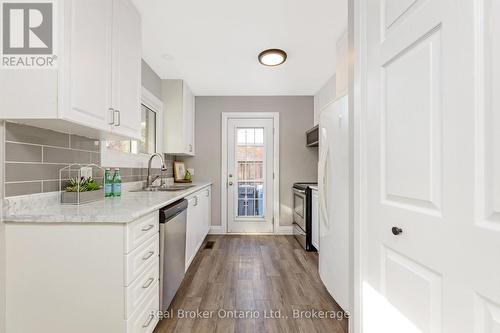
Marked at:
<point>433,166</point>
<point>250,175</point>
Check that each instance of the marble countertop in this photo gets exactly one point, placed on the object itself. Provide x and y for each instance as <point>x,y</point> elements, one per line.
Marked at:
<point>314,187</point>
<point>127,208</point>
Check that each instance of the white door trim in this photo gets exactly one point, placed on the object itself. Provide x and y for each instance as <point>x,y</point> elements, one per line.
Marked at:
<point>358,189</point>
<point>224,156</point>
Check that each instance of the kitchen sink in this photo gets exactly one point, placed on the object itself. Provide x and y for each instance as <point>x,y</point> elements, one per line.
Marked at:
<point>170,188</point>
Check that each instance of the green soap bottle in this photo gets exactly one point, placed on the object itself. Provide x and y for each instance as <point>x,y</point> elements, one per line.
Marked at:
<point>108,183</point>
<point>117,183</point>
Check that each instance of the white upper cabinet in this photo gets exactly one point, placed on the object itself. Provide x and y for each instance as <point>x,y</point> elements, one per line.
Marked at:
<point>126,68</point>
<point>94,89</point>
<point>88,61</point>
<point>179,117</point>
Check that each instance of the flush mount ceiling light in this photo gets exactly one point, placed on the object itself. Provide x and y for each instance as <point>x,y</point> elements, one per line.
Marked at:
<point>272,57</point>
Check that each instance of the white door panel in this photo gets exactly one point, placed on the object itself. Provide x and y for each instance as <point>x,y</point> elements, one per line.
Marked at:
<point>432,145</point>
<point>394,9</point>
<point>398,273</point>
<point>411,130</point>
<point>489,119</point>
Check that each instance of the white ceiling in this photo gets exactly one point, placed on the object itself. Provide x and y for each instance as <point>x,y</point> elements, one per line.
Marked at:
<point>213,44</point>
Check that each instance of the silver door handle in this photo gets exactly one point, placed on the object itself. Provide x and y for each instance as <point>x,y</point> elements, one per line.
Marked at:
<point>149,255</point>
<point>149,227</point>
<point>117,115</point>
<point>111,116</point>
<point>148,283</point>
<point>299,191</point>
<point>148,322</point>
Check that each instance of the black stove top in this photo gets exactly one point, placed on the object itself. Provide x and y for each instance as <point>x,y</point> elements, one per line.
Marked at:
<point>304,185</point>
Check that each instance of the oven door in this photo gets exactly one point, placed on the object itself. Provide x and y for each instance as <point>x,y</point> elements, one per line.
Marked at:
<point>299,208</point>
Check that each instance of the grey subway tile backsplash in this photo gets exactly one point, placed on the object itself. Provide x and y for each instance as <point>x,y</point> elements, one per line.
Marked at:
<point>34,157</point>
<point>124,172</point>
<point>61,155</point>
<point>127,179</point>
<point>95,158</point>
<point>18,172</point>
<point>13,189</point>
<point>82,143</point>
<point>18,152</point>
<point>29,134</point>
<point>51,185</point>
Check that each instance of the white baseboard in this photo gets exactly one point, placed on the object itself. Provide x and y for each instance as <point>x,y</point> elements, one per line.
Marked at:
<point>216,230</point>
<point>284,230</point>
<point>281,230</point>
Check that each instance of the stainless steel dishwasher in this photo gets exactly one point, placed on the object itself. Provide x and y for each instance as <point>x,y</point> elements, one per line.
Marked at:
<point>172,250</point>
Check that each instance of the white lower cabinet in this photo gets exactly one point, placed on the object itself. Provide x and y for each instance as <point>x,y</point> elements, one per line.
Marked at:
<point>315,220</point>
<point>144,320</point>
<point>198,221</point>
<point>83,277</point>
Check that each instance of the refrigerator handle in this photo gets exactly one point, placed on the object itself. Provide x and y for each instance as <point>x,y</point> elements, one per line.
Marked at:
<point>322,170</point>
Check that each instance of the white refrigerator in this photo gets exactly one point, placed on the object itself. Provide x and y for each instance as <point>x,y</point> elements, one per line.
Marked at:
<point>333,185</point>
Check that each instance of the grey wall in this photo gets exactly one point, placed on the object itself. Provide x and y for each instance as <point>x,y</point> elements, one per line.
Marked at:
<point>297,163</point>
<point>150,80</point>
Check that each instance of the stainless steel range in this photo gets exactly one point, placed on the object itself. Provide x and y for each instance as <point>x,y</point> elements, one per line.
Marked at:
<point>302,219</point>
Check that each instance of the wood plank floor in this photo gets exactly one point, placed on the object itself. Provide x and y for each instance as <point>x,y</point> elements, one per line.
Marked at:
<point>256,274</point>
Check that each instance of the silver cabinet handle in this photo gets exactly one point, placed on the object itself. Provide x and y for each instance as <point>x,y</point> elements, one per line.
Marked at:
<point>230,183</point>
<point>117,115</point>
<point>196,201</point>
<point>190,148</point>
<point>149,255</point>
<point>149,227</point>
<point>111,116</point>
<point>208,193</point>
<point>148,283</point>
<point>148,322</point>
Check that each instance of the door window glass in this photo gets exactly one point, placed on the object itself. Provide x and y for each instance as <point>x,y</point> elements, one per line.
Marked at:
<point>250,154</point>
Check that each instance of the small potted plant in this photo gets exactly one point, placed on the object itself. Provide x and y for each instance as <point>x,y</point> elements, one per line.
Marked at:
<point>81,190</point>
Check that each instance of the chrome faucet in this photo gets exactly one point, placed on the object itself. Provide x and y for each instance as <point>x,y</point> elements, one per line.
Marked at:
<point>149,180</point>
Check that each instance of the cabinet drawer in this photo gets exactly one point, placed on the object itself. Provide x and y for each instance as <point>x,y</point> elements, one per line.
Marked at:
<point>141,230</point>
<point>137,291</point>
<point>141,258</point>
<point>145,319</point>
